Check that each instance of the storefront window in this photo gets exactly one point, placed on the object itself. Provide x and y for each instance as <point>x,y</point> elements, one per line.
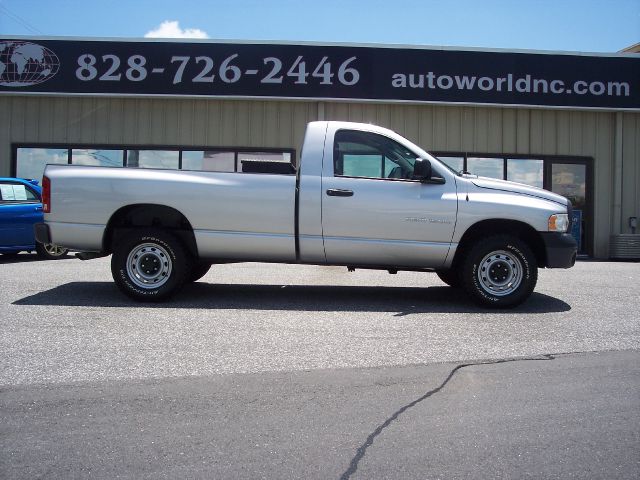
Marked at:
<point>31,161</point>
<point>486,167</point>
<point>570,180</point>
<point>153,159</point>
<point>456,163</point>
<point>102,158</point>
<point>526,171</point>
<point>209,161</point>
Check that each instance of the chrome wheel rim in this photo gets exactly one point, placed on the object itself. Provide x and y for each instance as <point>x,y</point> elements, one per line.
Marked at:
<point>500,273</point>
<point>149,266</point>
<point>54,250</point>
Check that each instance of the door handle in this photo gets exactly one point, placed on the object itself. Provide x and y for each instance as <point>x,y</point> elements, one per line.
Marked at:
<point>339,192</point>
<point>38,209</point>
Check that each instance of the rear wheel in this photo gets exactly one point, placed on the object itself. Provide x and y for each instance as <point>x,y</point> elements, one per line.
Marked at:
<point>500,271</point>
<point>150,266</point>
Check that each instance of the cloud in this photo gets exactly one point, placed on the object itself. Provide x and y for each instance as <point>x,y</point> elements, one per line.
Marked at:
<point>171,29</point>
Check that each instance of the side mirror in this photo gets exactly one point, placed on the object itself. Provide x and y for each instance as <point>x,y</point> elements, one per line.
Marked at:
<point>422,170</point>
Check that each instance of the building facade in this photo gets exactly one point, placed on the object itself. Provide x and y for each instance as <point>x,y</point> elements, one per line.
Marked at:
<point>518,126</point>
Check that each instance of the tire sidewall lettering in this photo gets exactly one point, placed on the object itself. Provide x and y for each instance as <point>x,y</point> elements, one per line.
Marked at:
<point>161,243</point>
<point>127,282</point>
<point>481,290</point>
<point>524,263</point>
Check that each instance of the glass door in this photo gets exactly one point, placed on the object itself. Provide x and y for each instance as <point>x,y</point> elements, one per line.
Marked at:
<point>572,180</point>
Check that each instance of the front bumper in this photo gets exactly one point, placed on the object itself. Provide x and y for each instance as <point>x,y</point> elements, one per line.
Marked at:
<point>560,248</point>
<point>41,231</point>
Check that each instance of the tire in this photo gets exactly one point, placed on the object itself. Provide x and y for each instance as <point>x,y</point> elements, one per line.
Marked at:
<point>49,251</point>
<point>500,272</point>
<point>198,271</point>
<point>450,277</point>
<point>150,266</point>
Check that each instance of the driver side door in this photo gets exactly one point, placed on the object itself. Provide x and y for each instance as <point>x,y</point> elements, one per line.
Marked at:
<point>375,214</point>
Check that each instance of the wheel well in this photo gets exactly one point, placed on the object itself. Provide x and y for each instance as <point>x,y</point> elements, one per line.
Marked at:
<point>486,228</point>
<point>150,215</point>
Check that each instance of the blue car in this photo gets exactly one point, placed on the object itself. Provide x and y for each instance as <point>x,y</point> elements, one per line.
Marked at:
<point>20,209</point>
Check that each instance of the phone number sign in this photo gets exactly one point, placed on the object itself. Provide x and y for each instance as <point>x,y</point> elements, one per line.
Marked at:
<point>162,68</point>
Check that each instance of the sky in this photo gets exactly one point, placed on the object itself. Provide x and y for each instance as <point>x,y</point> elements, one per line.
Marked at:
<point>557,25</point>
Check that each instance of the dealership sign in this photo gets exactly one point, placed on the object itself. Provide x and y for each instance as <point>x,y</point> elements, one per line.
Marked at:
<point>310,71</point>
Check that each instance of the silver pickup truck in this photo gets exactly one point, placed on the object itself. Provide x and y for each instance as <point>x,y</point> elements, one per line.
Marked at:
<point>362,197</point>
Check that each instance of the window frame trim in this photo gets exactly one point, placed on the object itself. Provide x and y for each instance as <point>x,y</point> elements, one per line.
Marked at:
<point>335,149</point>
<point>69,146</point>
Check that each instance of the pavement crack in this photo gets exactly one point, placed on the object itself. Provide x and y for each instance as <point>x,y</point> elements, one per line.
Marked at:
<point>362,450</point>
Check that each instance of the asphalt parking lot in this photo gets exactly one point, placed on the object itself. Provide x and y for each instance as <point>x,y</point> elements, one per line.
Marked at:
<point>275,358</point>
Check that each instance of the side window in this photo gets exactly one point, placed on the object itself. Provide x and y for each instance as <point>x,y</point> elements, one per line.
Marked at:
<point>369,155</point>
<point>17,193</point>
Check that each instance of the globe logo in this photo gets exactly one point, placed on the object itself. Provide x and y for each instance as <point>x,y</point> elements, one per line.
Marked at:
<point>23,64</point>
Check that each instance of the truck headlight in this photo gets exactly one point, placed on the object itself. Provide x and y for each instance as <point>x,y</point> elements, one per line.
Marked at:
<point>559,222</point>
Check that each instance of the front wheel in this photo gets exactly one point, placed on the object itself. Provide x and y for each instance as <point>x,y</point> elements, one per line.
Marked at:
<point>500,272</point>
<point>150,266</point>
